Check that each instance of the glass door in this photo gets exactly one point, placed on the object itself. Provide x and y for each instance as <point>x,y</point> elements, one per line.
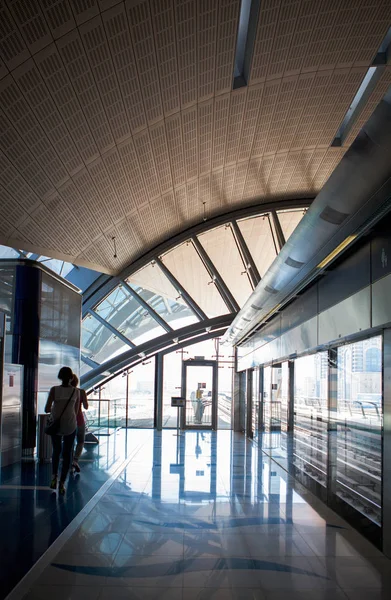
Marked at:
<point>199,387</point>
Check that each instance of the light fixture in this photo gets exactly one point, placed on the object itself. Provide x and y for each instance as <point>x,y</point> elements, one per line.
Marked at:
<point>326,261</point>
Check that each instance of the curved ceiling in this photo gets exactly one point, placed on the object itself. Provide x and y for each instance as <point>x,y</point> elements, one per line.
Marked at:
<point>119,119</point>
<point>184,289</point>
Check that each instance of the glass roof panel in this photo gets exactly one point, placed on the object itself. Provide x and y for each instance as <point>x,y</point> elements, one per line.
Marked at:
<point>141,327</point>
<point>221,247</point>
<point>289,220</point>
<point>258,237</point>
<point>187,267</point>
<point>152,278</point>
<point>51,263</point>
<point>6,252</point>
<point>97,341</point>
<point>116,306</point>
<point>124,313</point>
<point>147,282</point>
<point>113,347</point>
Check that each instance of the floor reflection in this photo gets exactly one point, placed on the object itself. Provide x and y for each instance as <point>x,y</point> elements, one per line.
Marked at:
<point>209,515</point>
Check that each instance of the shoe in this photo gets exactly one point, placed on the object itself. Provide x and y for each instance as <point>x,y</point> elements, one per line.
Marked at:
<point>61,489</point>
<point>53,483</point>
<point>75,467</point>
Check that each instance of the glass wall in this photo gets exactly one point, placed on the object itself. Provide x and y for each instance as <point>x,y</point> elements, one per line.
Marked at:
<point>131,394</point>
<point>141,401</point>
<point>59,333</point>
<point>311,416</point>
<point>172,383</point>
<point>255,402</point>
<point>359,426</point>
<point>266,400</point>
<point>172,379</point>
<point>114,391</point>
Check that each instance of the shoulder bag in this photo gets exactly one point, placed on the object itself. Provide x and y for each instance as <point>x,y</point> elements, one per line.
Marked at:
<point>53,426</point>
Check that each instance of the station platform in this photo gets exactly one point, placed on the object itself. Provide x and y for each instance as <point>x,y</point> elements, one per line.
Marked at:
<point>206,515</point>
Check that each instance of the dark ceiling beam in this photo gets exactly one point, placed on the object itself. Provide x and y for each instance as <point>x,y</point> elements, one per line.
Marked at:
<point>192,304</point>
<point>146,306</point>
<point>278,231</point>
<point>248,261</point>
<point>113,330</point>
<point>88,361</point>
<point>218,332</point>
<point>217,280</point>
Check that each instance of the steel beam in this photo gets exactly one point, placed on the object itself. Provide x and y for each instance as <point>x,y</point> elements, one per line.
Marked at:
<point>278,230</point>
<point>163,343</point>
<point>88,361</point>
<point>223,290</point>
<point>111,328</point>
<point>248,261</point>
<point>181,291</point>
<point>146,306</point>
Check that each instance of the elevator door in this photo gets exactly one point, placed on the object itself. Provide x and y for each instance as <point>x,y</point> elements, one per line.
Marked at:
<point>199,388</point>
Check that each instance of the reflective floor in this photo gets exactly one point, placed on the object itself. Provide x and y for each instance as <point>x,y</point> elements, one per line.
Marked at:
<point>32,516</point>
<point>208,515</point>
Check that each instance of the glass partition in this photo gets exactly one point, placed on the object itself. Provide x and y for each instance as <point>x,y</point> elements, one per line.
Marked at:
<point>311,416</point>
<point>115,391</point>
<point>266,399</point>
<point>255,402</point>
<point>284,397</point>
<point>226,363</point>
<point>59,333</point>
<point>360,426</point>
<point>172,379</point>
<point>141,397</point>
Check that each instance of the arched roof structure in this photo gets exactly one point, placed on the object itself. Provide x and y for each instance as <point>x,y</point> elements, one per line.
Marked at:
<point>134,119</point>
<point>188,288</point>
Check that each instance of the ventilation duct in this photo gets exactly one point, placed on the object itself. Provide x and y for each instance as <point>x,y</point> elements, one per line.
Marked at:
<point>355,196</point>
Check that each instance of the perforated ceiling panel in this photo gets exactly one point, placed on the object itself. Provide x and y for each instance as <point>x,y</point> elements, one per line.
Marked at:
<point>119,119</point>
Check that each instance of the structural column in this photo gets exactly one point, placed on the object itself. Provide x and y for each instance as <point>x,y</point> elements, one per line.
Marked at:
<point>159,391</point>
<point>25,346</point>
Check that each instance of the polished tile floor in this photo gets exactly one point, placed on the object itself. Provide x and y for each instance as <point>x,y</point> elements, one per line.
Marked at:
<point>209,516</point>
<point>32,516</point>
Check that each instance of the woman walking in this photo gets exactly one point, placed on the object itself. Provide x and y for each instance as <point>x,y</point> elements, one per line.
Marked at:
<point>81,424</point>
<point>63,405</point>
